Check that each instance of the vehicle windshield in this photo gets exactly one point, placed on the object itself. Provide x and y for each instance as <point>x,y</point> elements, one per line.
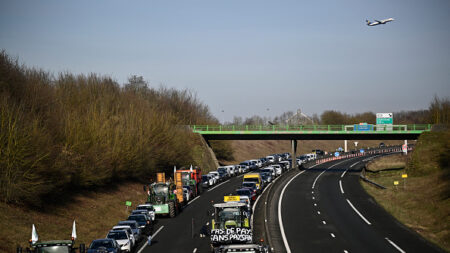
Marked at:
<point>243,192</point>
<point>161,190</point>
<point>252,179</point>
<point>150,208</point>
<point>138,218</point>
<point>205,178</point>
<point>117,235</point>
<point>229,214</point>
<point>185,176</point>
<point>245,164</point>
<point>249,185</point>
<point>53,249</point>
<point>102,243</point>
<point>131,224</point>
<point>223,170</point>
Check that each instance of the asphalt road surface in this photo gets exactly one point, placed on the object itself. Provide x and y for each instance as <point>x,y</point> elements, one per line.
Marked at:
<point>181,234</point>
<point>325,209</point>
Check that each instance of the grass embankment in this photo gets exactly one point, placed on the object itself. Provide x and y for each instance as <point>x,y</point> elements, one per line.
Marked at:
<point>421,201</point>
<point>245,150</point>
<point>95,214</point>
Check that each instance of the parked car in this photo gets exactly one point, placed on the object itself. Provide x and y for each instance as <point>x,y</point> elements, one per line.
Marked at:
<point>150,209</point>
<point>104,245</point>
<point>207,181</point>
<point>122,238</point>
<point>278,169</point>
<point>252,186</point>
<point>129,231</point>
<point>216,175</point>
<point>246,192</point>
<point>143,220</point>
<point>134,227</point>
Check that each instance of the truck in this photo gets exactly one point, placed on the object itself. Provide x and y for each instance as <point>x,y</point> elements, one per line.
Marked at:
<point>165,196</point>
<point>230,225</point>
<point>192,177</point>
<point>66,246</point>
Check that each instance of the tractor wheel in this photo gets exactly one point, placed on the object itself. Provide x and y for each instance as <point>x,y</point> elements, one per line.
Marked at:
<point>172,209</point>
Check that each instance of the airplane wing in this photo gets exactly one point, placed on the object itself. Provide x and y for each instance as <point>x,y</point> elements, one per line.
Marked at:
<point>378,21</point>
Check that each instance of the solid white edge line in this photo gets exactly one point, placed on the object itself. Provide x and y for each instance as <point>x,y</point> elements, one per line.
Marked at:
<point>153,236</point>
<point>217,185</point>
<point>315,180</point>
<point>360,215</point>
<point>195,250</point>
<point>280,219</point>
<point>354,164</point>
<point>395,245</point>
<point>340,185</point>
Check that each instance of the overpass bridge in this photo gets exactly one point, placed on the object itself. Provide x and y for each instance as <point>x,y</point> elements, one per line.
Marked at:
<point>311,132</point>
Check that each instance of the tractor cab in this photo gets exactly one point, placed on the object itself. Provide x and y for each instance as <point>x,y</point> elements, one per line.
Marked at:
<point>230,224</point>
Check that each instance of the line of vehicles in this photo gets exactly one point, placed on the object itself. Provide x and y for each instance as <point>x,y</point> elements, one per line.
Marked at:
<point>168,197</point>
<point>231,229</point>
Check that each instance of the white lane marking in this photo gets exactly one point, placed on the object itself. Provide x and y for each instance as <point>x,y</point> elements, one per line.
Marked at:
<point>318,212</point>
<point>153,236</point>
<point>360,215</point>
<point>354,164</point>
<point>332,235</point>
<point>343,174</point>
<point>207,223</point>
<point>218,185</point>
<point>345,251</point>
<point>324,222</point>
<point>313,198</point>
<point>195,250</point>
<point>340,185</point>
<point>190,202</point>
<point>315,180</point>
<point>395,245</point>
<point>312,192</point>
<point>315,204</point>
<point>280,219</point>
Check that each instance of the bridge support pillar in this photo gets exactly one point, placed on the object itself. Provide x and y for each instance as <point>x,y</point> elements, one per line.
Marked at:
<point>406,144</point>
<point>345,146</point>
<point>294,153</point>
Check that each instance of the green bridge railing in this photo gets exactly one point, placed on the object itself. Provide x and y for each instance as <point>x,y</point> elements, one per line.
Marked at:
<point>309,129</point>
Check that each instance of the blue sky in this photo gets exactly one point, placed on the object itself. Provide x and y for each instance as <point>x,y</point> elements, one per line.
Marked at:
<point>244,56</point>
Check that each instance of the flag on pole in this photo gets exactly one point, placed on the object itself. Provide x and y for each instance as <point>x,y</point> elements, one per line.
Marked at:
<point>74,231</point>
<point>191,168</point>
<point>34,235</point>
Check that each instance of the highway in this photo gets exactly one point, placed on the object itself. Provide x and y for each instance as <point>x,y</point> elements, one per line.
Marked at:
<point>175,234</point>
<point>325,209</point>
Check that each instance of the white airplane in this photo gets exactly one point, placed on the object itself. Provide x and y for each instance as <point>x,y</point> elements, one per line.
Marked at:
<point>379,22</point>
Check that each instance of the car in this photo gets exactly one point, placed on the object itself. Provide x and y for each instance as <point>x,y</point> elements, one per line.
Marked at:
<point>215,180</point>
<point>271,170</point>
<point>382,145</point>
<point>129,231</point>
<point>285,164</point>
<point>266,177</point>
<point>143,220</point>
<point>104,245</point>
<point>252,186</point>
<point>223,172</point>
<point>149,207</point>
<point>277,168</point>
<point>134,227</point>
<point>207,181</point>
<point>215,174</point>
<point>246,192</point>
<point>122,238</point>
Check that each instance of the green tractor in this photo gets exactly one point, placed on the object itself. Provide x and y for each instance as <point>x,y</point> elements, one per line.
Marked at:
<point>230,225</point>
<point>54,246</point>
<point>163,197</point>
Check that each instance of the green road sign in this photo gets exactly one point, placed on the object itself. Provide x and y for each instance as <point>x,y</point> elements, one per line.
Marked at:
<point>128,203</point>
<point>385,121</point>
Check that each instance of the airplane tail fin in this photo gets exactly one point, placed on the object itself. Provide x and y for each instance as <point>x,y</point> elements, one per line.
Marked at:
<point>368,22</point>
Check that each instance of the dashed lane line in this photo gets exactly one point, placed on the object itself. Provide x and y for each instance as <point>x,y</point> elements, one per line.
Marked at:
<point>360,215</point>
<point>340,185</point>
<point>395,245</point>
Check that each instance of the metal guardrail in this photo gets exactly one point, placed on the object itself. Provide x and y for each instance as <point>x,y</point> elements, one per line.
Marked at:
<point>307,129</point>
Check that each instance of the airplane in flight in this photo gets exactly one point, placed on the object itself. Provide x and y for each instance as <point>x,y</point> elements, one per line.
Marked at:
<point>379,22</point>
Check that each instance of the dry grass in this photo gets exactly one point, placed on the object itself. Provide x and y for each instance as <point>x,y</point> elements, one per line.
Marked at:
<point>244,150</point>
<point>95,213</point>
<point>388,162</point>
<point>419,202</point>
